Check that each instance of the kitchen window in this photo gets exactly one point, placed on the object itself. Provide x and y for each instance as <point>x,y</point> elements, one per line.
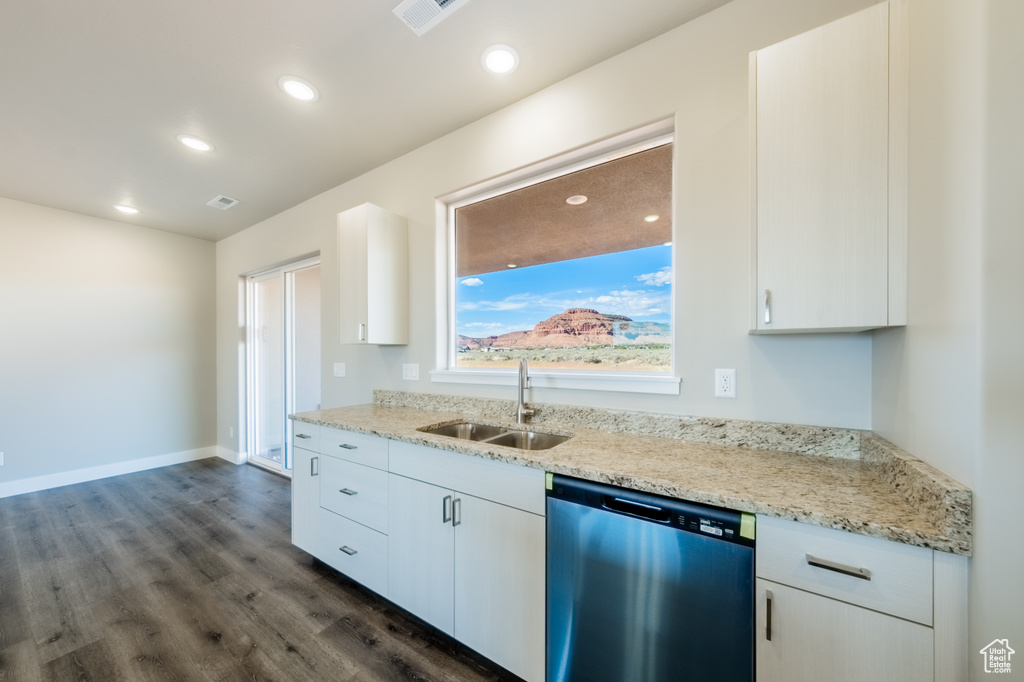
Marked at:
<point>569,265</point>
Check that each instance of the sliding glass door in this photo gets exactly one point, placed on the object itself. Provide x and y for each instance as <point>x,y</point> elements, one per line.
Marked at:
<point>283,357</point>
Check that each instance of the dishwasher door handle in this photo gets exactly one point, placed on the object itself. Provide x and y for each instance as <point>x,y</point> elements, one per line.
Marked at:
<point>634,508</point>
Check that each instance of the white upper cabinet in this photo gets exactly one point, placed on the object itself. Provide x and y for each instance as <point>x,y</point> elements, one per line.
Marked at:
<point>828,176</point>
<point>373,259</point>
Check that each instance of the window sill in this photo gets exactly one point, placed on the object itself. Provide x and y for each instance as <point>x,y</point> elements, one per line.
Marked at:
<point>625,383</point>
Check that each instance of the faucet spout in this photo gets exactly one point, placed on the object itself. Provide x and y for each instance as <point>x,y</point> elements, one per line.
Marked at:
<point>522,411</point>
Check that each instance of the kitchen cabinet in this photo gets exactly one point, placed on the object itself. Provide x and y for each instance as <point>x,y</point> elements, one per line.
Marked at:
<point>470,564</point>
<point>305,484</point>
<point>831,605</point>
<point>828,152</point>
<point>339,501</point>
<point>373,262</point>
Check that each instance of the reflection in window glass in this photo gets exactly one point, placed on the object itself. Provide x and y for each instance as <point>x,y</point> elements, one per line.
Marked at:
<point>570,283</point>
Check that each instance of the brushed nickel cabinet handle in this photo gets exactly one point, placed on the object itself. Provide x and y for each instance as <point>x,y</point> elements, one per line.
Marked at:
<point>314,466</point>
<point>767,306</point>
<point>852,571</point>
<point>348,550</point>
<point>348,491</point>
<point>348,446</point>
<point>768,618</point>
<point>303,436</point>
<point>457,512</point>
<point>446,509</point>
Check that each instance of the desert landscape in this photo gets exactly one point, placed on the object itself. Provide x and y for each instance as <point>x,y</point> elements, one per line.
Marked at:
<point>579,338</point>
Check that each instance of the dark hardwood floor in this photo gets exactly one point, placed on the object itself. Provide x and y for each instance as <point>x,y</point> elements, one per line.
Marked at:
<point>187,573</point>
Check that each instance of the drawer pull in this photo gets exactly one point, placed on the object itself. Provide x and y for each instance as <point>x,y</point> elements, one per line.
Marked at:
<point>303,436</point>
<point>348,491</point>
<point>768,617</point>
<point>349,447</point>
<point>862,573</point>
<point>348,550</point>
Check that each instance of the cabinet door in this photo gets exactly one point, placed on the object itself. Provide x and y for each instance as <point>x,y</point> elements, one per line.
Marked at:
<point>499,584</point>
<point>305,498</point>
<point>821,197</point>
<point>815,638</point>
<point>421,550</point>
<point>373,250</point>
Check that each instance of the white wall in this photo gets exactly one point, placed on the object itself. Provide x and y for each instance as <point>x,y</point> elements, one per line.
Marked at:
<point>107,345</point>
<point>950,387</point>
<point>698,73</point>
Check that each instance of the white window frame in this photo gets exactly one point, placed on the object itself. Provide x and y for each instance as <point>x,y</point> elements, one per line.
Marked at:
<point>668,383</point>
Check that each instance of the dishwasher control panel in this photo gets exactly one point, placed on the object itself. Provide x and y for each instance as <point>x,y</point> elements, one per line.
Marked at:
<point>714,522</point>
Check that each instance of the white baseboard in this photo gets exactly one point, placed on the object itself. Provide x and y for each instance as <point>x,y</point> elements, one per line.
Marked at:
<point>31,485</point>
<point>232,456</point>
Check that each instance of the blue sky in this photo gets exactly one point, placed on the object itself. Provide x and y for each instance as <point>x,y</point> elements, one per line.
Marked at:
<point>635,283</point>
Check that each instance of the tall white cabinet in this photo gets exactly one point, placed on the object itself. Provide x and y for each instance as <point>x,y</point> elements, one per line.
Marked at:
<point>828,141</point>
<point>373,260</point>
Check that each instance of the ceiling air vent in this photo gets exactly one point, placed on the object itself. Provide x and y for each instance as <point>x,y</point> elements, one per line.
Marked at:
<point>423,15</point>
<point>222,202</point>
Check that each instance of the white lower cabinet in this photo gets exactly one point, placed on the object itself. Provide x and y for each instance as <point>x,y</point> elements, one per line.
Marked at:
<point>470,566</point>
<point>837,606</point>
<point>305,486</point>
<point>457,540</point>
<point>817,638</point>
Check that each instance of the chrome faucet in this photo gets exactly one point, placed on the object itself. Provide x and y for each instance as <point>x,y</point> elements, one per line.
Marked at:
<point>522,411</point>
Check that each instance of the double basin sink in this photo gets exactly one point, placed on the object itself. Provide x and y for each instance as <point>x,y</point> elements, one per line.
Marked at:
<point>498,435</point>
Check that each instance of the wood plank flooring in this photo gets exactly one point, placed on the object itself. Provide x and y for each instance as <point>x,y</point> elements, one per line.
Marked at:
<point>188,573</point>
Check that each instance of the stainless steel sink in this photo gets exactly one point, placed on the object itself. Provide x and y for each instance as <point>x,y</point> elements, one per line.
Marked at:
<point>466,431</point>
<point>498,435</point>
<point>528,440</point>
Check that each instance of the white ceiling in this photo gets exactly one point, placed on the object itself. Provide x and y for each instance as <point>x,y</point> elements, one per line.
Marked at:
<point>93,94</point>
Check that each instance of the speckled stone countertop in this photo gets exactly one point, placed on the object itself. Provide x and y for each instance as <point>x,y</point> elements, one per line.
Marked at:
<point>838,478</point>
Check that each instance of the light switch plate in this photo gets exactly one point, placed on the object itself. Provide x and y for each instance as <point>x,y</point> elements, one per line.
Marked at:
<point>339,369</point>
<point>411,372</point>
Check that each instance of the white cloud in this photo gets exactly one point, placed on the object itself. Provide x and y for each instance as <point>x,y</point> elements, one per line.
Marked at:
<point>472,282</point>
<point>638,303</point>
<point>656,279</point>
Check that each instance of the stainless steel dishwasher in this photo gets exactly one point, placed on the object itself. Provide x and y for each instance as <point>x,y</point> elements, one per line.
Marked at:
<point>643,588</point>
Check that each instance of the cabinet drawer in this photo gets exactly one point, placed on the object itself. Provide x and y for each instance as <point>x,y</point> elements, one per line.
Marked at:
<point>359,552</point>
<point>306,436</point>
<point>355,447</point>
<point>509,484</point>
<point>800,555</point>
<point>356,491</point>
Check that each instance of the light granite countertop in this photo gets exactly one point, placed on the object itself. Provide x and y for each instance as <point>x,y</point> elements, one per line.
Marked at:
<point>837,478</point>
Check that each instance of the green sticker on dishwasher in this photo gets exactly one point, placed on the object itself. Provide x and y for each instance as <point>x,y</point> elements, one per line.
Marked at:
<point>549,480</point>
<point>747,525</point>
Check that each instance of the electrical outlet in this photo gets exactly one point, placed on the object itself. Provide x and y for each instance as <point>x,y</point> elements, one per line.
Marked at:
<point>411,372</point>
<point>725,383</point>
<point>339,370</point>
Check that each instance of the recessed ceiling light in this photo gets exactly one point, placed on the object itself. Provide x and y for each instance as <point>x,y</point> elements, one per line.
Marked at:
<point>651,218</point>
<point>511,265</point>
<point>130,210</point>
<point>195,143</point>
<point>576,200</point>
<point>500,59</point>
<point>299,89</point>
